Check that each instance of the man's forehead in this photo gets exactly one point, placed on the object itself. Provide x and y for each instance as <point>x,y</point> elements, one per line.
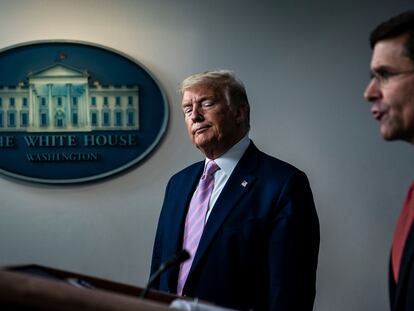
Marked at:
<point>390,53</point>
<point>201,91</point>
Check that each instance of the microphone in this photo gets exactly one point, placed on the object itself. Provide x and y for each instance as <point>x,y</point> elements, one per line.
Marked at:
<point>176,259</point>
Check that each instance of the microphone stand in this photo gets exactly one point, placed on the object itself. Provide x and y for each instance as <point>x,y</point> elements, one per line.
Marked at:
<point>177,258</point>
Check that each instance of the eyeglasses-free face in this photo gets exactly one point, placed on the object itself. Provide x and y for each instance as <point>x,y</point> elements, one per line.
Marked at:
<point>213,126</point>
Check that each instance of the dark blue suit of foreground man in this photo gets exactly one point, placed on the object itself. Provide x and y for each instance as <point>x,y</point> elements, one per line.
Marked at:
<point>260,241</point>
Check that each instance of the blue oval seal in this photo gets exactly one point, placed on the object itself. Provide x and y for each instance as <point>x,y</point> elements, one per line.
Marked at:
<point>74,112</point>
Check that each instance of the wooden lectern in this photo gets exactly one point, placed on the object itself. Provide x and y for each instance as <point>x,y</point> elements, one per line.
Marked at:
<point>33,287</point>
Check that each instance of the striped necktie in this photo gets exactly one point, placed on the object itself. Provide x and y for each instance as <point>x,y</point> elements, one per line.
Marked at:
<point>195,220</point>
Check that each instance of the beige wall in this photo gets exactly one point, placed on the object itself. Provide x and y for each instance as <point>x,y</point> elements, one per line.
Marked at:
<point>304,65</point>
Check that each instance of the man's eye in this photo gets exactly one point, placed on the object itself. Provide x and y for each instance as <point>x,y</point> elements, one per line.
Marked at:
<point>384,74</point>
<point>187,110</point>
<point>207,103</point>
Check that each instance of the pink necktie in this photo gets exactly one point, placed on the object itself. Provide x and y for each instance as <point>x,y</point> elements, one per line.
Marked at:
<point>195,220</point>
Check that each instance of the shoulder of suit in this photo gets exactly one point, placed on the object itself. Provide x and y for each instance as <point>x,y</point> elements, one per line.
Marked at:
<point>272,164</point>
<point>189,169</point>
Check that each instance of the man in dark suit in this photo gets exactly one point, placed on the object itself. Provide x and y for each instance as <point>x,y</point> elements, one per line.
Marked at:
<point>391,92</point>
<point>256,247</point>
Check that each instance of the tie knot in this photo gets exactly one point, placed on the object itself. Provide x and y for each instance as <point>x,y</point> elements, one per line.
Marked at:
<point>211,168</point>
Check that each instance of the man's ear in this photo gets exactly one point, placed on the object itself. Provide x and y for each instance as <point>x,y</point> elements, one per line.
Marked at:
<point>241,114</point>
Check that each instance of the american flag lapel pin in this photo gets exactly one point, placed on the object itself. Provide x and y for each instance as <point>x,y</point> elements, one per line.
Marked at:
<point>244,184</point>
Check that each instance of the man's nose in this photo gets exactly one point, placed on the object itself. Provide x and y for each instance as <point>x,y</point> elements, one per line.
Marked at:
<point>372,92</point>
<point>196,114</point>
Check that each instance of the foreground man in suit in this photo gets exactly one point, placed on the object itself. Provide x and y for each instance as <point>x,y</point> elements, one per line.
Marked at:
<point>391,92</point>
<point>247,219</point>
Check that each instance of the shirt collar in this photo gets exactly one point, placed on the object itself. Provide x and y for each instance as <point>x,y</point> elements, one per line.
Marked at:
<point>228,161</point>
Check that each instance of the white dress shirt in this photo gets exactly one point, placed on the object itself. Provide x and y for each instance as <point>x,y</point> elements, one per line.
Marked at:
<point>227,162</point>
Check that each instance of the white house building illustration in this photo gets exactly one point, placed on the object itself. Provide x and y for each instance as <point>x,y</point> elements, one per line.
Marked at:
<point>60,98</point>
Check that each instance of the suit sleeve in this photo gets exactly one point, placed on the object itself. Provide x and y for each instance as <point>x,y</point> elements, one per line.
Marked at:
<point>293,247</point>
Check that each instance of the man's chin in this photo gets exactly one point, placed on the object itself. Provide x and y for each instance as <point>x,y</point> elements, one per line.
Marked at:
<point>398,137</point>
<point>389,136</point>
<point>202,140</point>
<point>386,132</point>
<point>205,145</point>
<point>202,145</point>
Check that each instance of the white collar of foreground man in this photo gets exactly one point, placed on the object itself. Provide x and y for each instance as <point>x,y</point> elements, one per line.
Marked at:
<point>228,161</point>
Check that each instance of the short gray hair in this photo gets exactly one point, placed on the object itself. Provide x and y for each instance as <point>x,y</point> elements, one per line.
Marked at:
<point>225,80</point>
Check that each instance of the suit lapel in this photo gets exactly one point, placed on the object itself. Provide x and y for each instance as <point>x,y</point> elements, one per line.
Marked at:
<point>391,283</point>
<point>405,265</point>
<point>238,184</point>
<point>182,193</point>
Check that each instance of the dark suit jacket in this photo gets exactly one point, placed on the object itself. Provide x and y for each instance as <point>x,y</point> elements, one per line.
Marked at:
<point>402,294</point>
<point>259,248</point>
